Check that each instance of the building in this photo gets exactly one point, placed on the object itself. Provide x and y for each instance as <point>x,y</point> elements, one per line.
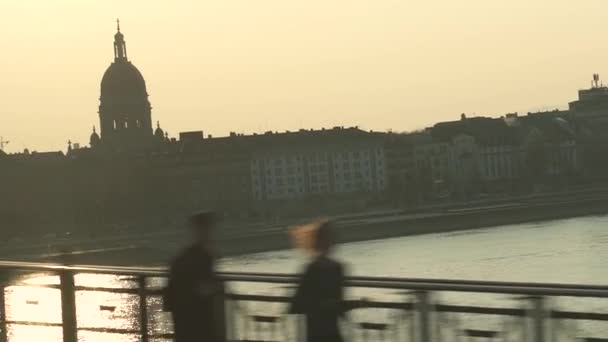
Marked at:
<point>592,101</point>
<point>336,161</point>
<point>550,148</point>
<point>431,158</point>
<point>401,173</point>
<point>483,154</point>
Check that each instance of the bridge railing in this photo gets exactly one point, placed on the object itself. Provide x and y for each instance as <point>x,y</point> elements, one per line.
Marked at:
<point>401,309</point>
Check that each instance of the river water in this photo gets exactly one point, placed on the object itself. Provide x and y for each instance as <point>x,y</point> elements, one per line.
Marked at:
<point>564,251</point>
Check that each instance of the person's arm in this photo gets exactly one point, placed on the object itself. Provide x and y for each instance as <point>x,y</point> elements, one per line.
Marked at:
<point>210,285</point>
<point>335,302</point>
<point>301,298</point>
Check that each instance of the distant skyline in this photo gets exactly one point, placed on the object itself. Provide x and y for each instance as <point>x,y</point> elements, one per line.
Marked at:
<point>252,66</point>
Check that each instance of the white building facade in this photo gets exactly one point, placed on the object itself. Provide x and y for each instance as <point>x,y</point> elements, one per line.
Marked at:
<point>354,163</point>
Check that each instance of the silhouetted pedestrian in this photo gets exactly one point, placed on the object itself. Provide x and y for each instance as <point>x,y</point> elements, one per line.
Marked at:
<point>194,294</point>
<point>320,294</point>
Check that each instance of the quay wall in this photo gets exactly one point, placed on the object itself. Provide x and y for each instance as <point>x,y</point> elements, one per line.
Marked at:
<point>439,223</point>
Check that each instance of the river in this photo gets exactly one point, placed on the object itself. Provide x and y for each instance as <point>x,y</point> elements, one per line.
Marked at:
<point>564,251</point>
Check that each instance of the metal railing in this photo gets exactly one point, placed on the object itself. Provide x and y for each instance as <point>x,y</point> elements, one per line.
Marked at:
<point>403,308</point>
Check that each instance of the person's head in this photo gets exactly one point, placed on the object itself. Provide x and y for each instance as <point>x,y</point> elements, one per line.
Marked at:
<point>202,226</point>
<point>324,238</point>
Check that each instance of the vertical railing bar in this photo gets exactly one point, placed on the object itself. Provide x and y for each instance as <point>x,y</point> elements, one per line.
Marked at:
<point>68,306</point>
<point>277,331</point>
<point>229,318</point>
<point>524,329</point>
<point>249,328</point>
<point>412,327</point>
<point>302,333</point>
<point>143,308</point>
<point>240,321</point>
<point>424,318</point>
<point>258,330</point>
<point>3,318</point>
<point>538,319</point>
<point>437,324</point>
<point>247,323</point>
<point>285,329</point>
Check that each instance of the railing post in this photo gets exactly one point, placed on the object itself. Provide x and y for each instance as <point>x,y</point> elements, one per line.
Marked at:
<point>301,326</point>
<point>230,319</point>
<point>68,306</point>
<point>539,320</point>
<point>423,305</point>
<point>143,308</point>
<point>3,319</point>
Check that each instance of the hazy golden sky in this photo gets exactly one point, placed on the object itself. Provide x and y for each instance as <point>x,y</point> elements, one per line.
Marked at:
<point>257,65</point>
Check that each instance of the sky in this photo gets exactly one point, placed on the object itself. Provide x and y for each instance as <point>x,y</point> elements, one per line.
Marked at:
<point>252,66</point>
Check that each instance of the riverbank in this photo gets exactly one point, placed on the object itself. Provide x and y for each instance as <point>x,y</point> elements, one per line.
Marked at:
<point>429,223</point>
<point>154,248</point>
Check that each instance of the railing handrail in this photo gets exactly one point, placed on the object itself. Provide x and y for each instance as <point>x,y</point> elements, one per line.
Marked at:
<point>519,288</point>
<point>441,281</point>
<point>114,270</point>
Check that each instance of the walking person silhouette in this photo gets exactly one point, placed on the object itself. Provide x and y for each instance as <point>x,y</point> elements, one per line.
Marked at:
<point>195,295</point>
<point>320,292</point>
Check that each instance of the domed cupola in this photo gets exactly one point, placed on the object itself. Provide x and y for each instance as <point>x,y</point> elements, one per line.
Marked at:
<point>94,140</point>
<point>158,132</point>
<point>124,109</point>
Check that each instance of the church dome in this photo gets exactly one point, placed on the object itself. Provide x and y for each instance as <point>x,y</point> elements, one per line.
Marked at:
<point>94,140</point>
<point>123,80</point>
<point>124,108</point>
<point>159,133</point>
